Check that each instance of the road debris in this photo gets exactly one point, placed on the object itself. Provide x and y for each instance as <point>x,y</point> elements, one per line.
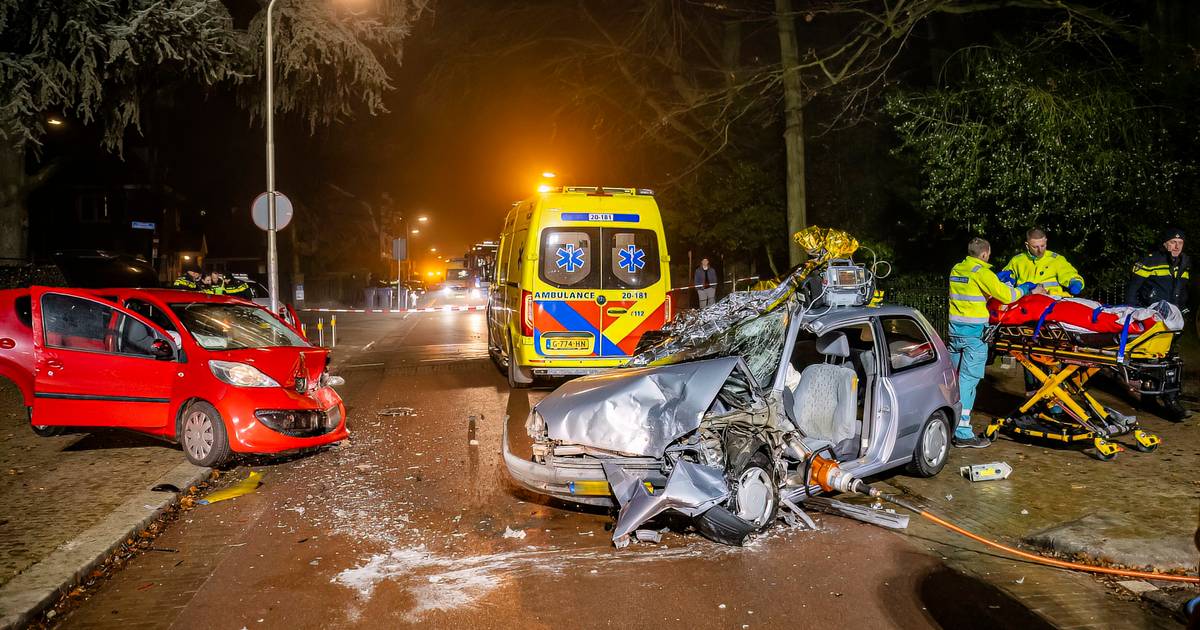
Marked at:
<point>647,536</point>
<point>986,472</point>
<point>794,516</point>
<point>396,411</point>
<point>245,486</point>
<point>1137,587</point>
<point>514,533</point>
<point>882,518</point>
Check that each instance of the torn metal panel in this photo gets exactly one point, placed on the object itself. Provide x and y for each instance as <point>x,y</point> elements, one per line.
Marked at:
<point>882,518</point>
<point>622,483</point>
<point>794,515</point>
<point>691,490</point>
<point>637,411</point>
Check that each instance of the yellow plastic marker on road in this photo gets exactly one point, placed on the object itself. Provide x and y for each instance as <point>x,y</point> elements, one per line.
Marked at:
<point>245,486</point>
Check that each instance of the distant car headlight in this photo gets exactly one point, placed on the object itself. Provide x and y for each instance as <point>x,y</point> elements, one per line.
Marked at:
<point>474,293</point>
<point>240,374</point>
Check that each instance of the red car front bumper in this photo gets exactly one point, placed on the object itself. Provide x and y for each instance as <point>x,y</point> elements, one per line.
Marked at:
<point>247,434</point>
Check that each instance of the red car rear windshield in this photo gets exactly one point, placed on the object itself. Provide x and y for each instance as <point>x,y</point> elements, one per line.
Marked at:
<point>234,326</point>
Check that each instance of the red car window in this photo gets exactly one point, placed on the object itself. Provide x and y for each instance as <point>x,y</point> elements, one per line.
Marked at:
<point>79,324</point>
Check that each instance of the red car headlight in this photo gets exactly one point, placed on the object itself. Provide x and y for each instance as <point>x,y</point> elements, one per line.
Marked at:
<point>240,374</point>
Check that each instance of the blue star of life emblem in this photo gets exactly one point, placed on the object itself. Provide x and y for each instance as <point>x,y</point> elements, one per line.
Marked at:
<point>631,259</point>
<point>569,258</point>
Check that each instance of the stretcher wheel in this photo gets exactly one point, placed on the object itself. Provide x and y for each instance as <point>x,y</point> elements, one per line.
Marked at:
<point>1145,442</point>
<point>1105,450</point>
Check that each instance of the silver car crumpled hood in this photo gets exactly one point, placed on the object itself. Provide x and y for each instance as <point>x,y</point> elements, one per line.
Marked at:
<point>637,411</point>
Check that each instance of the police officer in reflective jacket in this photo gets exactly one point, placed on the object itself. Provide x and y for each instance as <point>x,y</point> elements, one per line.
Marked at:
<point>1163,275</point>
<point>217,284</point>
<point>190,281</point>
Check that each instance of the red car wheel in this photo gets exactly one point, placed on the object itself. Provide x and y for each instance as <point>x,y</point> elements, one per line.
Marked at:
<point>202,435</point>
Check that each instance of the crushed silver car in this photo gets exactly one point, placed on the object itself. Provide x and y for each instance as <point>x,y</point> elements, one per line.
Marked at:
<point>795,395</point>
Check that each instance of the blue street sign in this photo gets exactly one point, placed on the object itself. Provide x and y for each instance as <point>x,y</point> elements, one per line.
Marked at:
<point>143,225</point>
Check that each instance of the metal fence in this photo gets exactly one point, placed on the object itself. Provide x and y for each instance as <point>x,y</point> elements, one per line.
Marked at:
<point>931,302</point>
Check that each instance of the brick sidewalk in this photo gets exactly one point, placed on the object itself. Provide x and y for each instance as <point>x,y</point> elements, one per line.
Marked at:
<point>53,491</point>
<point>1144,506</point>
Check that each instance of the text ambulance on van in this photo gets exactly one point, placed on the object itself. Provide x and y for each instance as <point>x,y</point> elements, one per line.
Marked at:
<point>581,274</point>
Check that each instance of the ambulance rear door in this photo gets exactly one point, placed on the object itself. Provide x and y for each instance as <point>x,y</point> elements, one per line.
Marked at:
<point>633,295</point>
<point>566,312</point>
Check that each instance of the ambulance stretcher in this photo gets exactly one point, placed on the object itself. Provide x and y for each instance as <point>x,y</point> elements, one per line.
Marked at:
<point>1064,361</point>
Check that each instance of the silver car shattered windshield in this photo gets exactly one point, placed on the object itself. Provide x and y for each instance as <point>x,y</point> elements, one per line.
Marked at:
<point>758,340</point>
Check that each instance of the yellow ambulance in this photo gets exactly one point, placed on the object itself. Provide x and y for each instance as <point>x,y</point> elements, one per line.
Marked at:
<point>581,274</point>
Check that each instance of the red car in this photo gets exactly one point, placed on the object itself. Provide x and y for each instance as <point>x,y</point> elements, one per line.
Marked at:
<point>219,375</point>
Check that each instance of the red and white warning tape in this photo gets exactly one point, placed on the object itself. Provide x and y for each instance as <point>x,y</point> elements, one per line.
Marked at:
<point>433,309</point>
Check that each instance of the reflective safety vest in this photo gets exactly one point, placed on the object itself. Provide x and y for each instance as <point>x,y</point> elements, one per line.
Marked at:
<point>972,282</point>
<point>184,282</point>
<point>228,289</point>
<point>1051,271</point>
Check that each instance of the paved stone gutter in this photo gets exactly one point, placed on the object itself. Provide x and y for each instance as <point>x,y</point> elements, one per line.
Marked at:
<point>40,585</point>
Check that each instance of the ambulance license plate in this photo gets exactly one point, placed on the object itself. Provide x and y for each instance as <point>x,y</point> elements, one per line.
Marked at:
<point>568,343</point>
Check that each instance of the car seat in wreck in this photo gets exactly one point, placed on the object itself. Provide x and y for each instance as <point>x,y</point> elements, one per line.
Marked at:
<point>824,404</point>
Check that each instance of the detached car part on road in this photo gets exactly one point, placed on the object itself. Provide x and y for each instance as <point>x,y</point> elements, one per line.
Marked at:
<point>759,401</point>
<point>219,375</point>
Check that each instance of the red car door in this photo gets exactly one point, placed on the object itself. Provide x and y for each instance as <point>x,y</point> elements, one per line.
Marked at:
<point>97,364</point>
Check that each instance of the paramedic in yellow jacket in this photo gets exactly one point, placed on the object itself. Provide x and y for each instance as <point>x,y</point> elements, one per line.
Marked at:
<point>1038,265</point>
<point>972,282</point>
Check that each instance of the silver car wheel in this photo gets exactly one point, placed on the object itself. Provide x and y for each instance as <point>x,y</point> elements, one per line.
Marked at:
<point>755,496</point>
<point>933,447</point>
<point>198,435</point>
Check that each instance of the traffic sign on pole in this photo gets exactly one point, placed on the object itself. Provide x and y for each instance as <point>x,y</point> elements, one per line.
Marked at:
<point>260,211</point>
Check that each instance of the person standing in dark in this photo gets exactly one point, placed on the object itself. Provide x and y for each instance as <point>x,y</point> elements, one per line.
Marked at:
<point>1163,276</point>
<point>705,280</point>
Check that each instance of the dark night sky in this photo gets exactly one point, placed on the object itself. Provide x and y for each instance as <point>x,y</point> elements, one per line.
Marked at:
<point>462,160</point>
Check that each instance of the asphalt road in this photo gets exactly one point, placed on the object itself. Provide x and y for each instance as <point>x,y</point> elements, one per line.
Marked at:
<point>414,521</point>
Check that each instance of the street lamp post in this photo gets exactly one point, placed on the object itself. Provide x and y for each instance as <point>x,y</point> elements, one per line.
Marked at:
<point>410,234</point>
<point>272,251</point>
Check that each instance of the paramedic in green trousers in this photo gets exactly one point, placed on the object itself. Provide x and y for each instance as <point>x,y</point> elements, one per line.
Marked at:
<point>972,283</point>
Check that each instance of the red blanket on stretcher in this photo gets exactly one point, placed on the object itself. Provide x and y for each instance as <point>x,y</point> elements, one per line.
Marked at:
<point>1075,313</point>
